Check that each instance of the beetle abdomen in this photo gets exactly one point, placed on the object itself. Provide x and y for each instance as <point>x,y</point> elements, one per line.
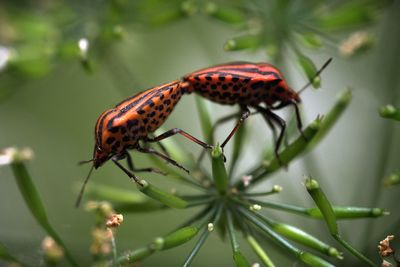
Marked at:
<point>239,83</point>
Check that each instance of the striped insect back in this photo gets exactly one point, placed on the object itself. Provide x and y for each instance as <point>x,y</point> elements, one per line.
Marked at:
<point>260,86</point>
<point>124,125</point>
<point>241,83</point>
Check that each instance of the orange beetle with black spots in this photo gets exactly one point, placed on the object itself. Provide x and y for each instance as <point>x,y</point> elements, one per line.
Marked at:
<point>248,85</point>
<point>122,127</point>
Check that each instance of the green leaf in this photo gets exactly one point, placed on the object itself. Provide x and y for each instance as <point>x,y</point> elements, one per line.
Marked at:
<point>393,179</point>
<point>311,40</point>
<point>175,238</point>
<point>390,112</point>
<point>314,261</point>
<point>309,68</point>
<point>341,212</point>
<point>135,256</point>
<point>34,202</point>
<point>224,13</point>
<point>323,204</point>
<point>304,238</point>
<point>309,259</point>
<point>162,196</point>
<point>123,200</point>
<point>250,41</point>
<point>218,169</point>
<point>346,212</point>
<point>240,259</point>
<point>327,211</point>
<point>350,14</point>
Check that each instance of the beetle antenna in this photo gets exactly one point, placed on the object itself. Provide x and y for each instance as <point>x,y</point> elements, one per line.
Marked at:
<point>315,76</point>
<point>78,200</point>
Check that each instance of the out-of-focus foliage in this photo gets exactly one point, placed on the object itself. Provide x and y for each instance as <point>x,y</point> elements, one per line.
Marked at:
<point>36,37</point>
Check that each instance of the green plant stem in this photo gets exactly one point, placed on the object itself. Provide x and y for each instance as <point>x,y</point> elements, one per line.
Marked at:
<point>353,251</point>
<point>202,238</point>
<point>287,155</point>
<point>341,212</point>
<point>259,251</point>
<point>219,171</point>
<point>33,201</point>
<point>325,206</point>
<point>8,257</point>
<point>114,249</point>
<point>305,257</point>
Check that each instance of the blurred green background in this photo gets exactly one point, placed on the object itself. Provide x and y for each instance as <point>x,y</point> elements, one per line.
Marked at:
<point>50,101</point>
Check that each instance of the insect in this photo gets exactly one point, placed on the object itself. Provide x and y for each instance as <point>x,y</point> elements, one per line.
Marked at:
<point>256,85</point>
<point>121,128</point>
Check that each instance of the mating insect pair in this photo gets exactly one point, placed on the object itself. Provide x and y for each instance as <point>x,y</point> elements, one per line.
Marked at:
<point>260,86</point>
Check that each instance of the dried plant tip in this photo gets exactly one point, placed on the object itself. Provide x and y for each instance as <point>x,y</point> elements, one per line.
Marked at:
<point>384,247</point>
<point>51,250</point>
<point>246,179</point>
<point>114,220</point>
<point>356,43</point>
<point>103,208</point>
<point>101,244</point>
<point>210,227</point>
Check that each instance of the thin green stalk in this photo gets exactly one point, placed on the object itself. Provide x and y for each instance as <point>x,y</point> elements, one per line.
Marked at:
<point>162,196</point>
<point>341,212</point>
<point>325,206</point>
<point>274,190</point>
<point>194,203</point>
<point>34,202</point>
<point>114,249</point>
<point>259,251</point>
<point>6,256</point>
<point>231,231</point>
<point>305,257</point>
<point>219,171</point>
<point>202,238</point>
<point>238,257</point>
<point>196,248</point>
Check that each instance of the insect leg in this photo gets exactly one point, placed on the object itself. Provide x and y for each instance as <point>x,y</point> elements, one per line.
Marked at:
<point>245,115</point>
<point>175,131</point>
<point>162,147</point>
<point>131,166</point>
<point>297,111</point>
<point>126,171</point>
<point>164,157</point>
<point>281,122</point>
<point>298,119</point>
<point>271,125</point>
<point>218,123</point>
